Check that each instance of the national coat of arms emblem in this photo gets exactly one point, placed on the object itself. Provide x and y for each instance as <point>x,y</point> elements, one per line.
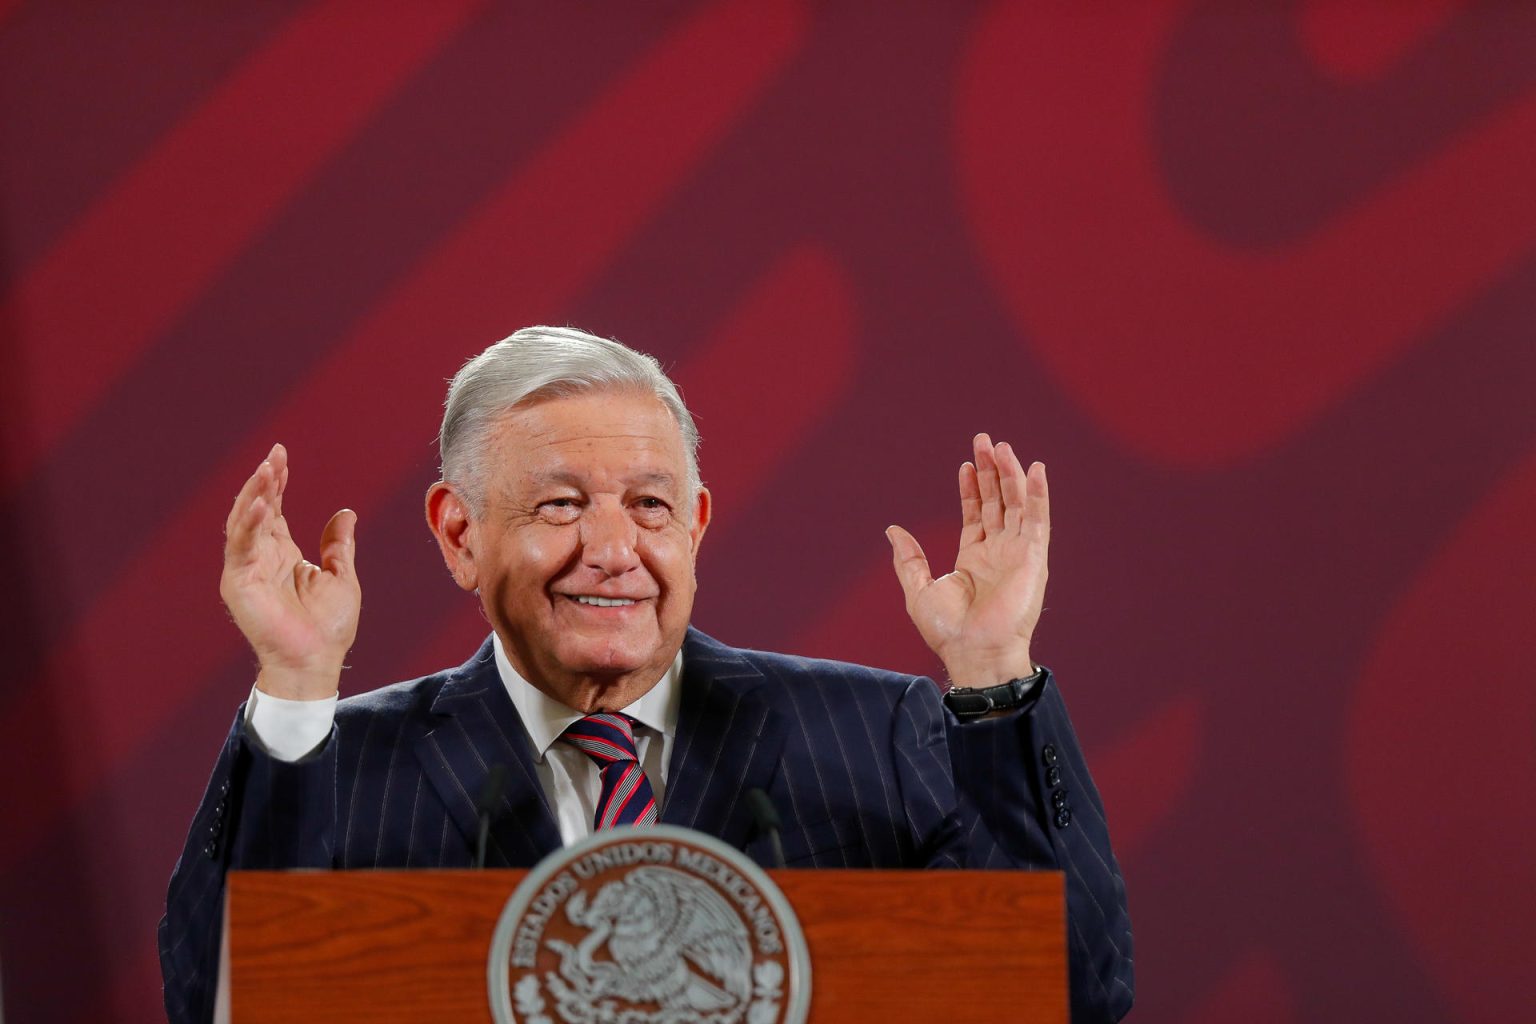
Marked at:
<point>659,925</point>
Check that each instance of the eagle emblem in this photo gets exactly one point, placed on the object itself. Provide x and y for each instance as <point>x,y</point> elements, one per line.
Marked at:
<point>648,926</point>
<point>670,939</point>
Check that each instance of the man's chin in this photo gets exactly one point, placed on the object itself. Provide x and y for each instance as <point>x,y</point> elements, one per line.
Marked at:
<point>606,681</point>
<point>615,662</point>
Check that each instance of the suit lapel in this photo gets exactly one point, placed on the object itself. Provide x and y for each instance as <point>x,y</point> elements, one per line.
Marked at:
<point>474,725</point>
<point>728,742</point>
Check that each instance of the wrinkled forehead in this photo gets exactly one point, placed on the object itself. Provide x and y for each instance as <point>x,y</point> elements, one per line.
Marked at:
<point>607,433</point>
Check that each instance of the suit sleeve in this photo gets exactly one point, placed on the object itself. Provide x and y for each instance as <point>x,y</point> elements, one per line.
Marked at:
<point>1029,801</point>
<point>257,813</point>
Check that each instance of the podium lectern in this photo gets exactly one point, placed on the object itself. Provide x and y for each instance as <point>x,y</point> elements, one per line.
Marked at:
<point>885,946</point>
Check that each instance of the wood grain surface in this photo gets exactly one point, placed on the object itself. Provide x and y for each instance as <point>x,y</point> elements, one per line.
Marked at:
<point>886,946</point>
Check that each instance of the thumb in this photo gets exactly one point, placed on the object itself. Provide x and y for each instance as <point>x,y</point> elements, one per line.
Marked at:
<point>910,562</point>
<point>338,545</point>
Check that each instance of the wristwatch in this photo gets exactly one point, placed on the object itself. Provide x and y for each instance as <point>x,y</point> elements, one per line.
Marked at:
<point>967,702</point>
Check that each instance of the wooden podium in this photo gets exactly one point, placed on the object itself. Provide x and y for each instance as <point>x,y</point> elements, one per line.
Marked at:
<point>885,946</point>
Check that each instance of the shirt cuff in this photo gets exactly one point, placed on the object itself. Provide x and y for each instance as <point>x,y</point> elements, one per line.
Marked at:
<point>289,730</point>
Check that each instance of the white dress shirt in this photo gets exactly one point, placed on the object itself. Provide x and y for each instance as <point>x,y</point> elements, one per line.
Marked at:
<point>571,780</point>
<point>291,730</point>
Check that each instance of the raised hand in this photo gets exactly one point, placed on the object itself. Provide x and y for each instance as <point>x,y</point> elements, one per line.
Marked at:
<point>979,619</point>
<point>299,617</point>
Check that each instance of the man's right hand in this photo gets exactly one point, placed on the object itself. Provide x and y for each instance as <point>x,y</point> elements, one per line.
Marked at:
<point>299,617</point>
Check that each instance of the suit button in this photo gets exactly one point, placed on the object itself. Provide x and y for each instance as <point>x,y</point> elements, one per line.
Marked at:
<point>1053,776</point>
<point>1063,818</point>
<point>1048,754</point>
<point>212,850</point>
<point>1059,799</point>
<point>224,788</point>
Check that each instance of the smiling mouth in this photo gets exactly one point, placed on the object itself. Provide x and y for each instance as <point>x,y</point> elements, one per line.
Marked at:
<point>601,602</point>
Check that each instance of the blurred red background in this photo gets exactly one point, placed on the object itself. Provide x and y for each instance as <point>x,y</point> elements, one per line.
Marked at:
<point>1256,280</point>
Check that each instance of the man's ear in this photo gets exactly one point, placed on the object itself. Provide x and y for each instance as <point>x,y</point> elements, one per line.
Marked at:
<point>702,509</point>
<point>448,516</point>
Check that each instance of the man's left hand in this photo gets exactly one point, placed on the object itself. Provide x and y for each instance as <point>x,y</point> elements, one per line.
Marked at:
<point>979,618</point>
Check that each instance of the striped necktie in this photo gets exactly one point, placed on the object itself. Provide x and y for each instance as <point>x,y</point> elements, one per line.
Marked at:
<point>609,740</point>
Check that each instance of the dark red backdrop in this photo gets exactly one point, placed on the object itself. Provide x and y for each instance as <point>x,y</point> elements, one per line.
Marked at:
<point>1255,280</point>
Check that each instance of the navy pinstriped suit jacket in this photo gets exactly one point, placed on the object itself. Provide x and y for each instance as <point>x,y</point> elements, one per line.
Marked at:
<point>865,767</point>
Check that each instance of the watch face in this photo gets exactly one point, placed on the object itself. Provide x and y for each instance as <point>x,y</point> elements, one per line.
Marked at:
<point>967,702</point>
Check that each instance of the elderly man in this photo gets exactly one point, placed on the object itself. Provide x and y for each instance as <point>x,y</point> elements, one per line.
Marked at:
<point>571,505</point>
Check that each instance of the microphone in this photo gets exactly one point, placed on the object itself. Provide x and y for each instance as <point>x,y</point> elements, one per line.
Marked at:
<point>490,796</point>
<point>766,818</point>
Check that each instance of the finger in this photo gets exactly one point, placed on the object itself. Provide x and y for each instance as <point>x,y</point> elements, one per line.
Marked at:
<point>1037,502</point>
<point>275,532</point>
<point>1011,482</point>
<point>302,578</point>
<point>251,515</point>
<point>910,562</point>
<point>338,545</point>
<point>279,459</point>
<point>991,492</point>
<point>243,535</point>
<point>255,484</point>
<point>970,503</point>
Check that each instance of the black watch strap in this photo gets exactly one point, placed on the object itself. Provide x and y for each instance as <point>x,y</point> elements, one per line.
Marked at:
<point>967,702</point>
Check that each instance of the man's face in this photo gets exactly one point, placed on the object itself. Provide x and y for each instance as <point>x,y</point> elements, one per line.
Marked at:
<point>584,553</point>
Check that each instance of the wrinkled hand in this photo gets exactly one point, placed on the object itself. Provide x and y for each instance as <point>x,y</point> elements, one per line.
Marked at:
<point>299,617</point>
<point>979,619</point>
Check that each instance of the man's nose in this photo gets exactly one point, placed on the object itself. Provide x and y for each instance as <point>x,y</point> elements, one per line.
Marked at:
<point>609,538</point>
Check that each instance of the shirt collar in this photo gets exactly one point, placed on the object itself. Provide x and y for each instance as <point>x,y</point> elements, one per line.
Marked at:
<point>546,718</point>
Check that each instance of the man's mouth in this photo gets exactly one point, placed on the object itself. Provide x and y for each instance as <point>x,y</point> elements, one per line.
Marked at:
<point>601,602</point>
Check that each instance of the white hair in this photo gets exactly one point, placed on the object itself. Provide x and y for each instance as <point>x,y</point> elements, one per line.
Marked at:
<point>534,364</point>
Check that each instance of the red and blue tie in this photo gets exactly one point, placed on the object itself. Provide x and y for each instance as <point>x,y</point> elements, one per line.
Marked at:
<point>609,740</point>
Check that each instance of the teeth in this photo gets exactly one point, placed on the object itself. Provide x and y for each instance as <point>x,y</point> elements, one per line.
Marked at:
<point>603,602</point>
